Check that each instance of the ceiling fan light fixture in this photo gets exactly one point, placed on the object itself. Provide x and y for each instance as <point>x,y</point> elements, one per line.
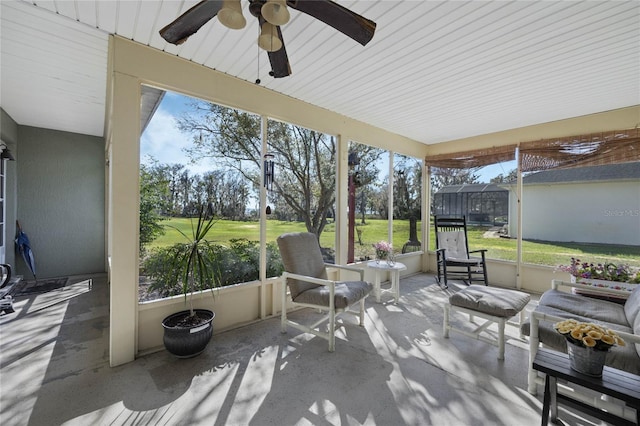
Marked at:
<point>269,39</point>
<point>230,15</point>
<point>275,12</point>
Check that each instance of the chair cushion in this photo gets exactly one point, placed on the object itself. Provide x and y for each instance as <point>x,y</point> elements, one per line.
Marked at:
<point>621,357</point>
<point>454,243</point>
<point>498,302</point>
<point>636,331</point>
<point>472,261</point>
<point>301,254</point>
<point>347,293</point>
<point>587,307</point>
<point>632,306</point>
<point>632,312</point>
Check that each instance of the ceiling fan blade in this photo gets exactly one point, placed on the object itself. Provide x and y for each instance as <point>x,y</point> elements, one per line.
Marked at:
<point>191,21</point>
<point>279,60</point>
<point>339,17</point>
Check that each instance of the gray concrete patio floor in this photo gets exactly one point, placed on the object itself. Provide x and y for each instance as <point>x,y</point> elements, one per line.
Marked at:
<point>397,370</point>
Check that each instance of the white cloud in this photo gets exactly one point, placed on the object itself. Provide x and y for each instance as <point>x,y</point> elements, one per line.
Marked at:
<point>163,141</point>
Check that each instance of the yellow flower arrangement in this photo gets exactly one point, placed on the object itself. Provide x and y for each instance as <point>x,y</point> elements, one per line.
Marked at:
<point>587,334</point>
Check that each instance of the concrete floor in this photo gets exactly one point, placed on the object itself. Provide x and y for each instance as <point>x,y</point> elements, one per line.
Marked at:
<point>397,370</point>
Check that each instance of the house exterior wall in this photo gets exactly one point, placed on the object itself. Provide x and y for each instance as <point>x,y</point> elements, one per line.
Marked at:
<point>61,201</point>
<point>590,212</point>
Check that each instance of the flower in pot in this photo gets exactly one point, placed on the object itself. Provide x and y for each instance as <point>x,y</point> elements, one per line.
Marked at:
<point>602,271</point>
<point>588,344</point>
<point>383,249</point>
<point>187,333</point>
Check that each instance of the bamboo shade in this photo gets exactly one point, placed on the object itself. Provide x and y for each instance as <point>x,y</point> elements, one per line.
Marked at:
<point>582,150</point>
<point>471,159</point>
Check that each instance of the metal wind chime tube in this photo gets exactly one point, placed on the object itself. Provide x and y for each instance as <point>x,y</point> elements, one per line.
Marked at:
<point>269,170</point>
<point>269,174</point>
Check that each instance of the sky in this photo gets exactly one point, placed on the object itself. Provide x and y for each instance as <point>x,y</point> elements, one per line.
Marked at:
<point>489,172</point>
<point>164,142</point>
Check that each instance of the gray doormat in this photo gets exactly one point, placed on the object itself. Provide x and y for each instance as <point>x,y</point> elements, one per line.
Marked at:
<point>27,288</point>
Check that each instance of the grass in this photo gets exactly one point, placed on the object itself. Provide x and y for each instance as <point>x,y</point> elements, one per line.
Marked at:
<point>550,252</point>
<point>536,252</point>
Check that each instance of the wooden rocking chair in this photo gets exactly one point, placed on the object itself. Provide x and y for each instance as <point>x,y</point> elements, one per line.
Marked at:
<point>453,256</point>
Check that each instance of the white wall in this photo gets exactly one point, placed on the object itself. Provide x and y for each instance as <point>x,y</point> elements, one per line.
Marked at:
<point>590,212</point>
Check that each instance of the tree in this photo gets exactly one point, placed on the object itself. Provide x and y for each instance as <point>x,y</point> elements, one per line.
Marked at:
<point>305,160</point>
<point>441,177</point>
<point>407,195</point>
<point>173,174</point>
<point>152,191</point>
<point>509,177</point>
<point>365,173</point>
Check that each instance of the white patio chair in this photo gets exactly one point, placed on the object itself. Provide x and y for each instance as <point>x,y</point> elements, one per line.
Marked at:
<point>306,279</point>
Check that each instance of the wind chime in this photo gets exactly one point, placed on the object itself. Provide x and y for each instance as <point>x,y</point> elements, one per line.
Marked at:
<point>269,174</point>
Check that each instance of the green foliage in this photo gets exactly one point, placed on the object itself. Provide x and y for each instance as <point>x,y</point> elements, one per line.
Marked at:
<point>150,196</point>
<point>535,252</point>
<point>305,160</point>
<point>237,263</point>
<point>190,265</point>
<point>441,177</point>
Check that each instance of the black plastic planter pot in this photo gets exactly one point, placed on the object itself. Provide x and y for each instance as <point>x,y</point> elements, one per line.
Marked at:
<point>187,340</point>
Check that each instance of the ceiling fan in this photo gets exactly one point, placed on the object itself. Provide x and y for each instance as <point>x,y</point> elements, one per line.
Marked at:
<point>271,15</point>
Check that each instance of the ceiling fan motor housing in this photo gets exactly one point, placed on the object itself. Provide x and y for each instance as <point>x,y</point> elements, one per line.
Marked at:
<point>255,7</point>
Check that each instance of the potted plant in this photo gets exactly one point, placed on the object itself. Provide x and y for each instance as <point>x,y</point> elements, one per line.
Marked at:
<point>187,333</point>
<point>588,345</point>
<point>383,250</point>
<point>621,278</point>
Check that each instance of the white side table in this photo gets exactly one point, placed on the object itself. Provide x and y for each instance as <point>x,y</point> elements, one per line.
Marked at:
<point>394,272</point>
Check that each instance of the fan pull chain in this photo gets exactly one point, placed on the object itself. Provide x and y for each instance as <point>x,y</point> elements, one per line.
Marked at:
<point>258,79</point>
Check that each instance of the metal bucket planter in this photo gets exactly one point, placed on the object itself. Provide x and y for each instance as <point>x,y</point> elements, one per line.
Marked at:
<point>186,341</point>
<point>586,360</point>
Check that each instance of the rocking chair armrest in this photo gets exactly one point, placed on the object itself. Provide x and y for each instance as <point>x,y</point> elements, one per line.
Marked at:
<point>483,251</point>
<point>306,278</point>
<point>347,268</point>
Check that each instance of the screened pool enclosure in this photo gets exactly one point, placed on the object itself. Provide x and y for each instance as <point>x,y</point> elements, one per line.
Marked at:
<point>481,203</point>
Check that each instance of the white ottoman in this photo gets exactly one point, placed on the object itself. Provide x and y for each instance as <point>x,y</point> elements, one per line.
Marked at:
<point>496,305</point>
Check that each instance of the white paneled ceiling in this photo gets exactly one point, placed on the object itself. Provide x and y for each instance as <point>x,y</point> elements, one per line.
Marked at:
<point>434,71</point>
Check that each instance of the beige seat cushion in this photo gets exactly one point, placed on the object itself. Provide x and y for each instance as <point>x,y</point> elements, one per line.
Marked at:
<point>498,302</point>
<point>301,255</point>
<point>347,293</point>
<point>586,309</point>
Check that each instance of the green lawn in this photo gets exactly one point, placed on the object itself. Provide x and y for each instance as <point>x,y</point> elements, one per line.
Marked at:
<point>552,253</point>
<point>537,252</point>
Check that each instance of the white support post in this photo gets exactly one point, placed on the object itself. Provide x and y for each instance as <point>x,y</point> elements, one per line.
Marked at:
<point>283,315</point>
<point>445,324</point>
<point>263,224</point>
<point>533,349</point>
